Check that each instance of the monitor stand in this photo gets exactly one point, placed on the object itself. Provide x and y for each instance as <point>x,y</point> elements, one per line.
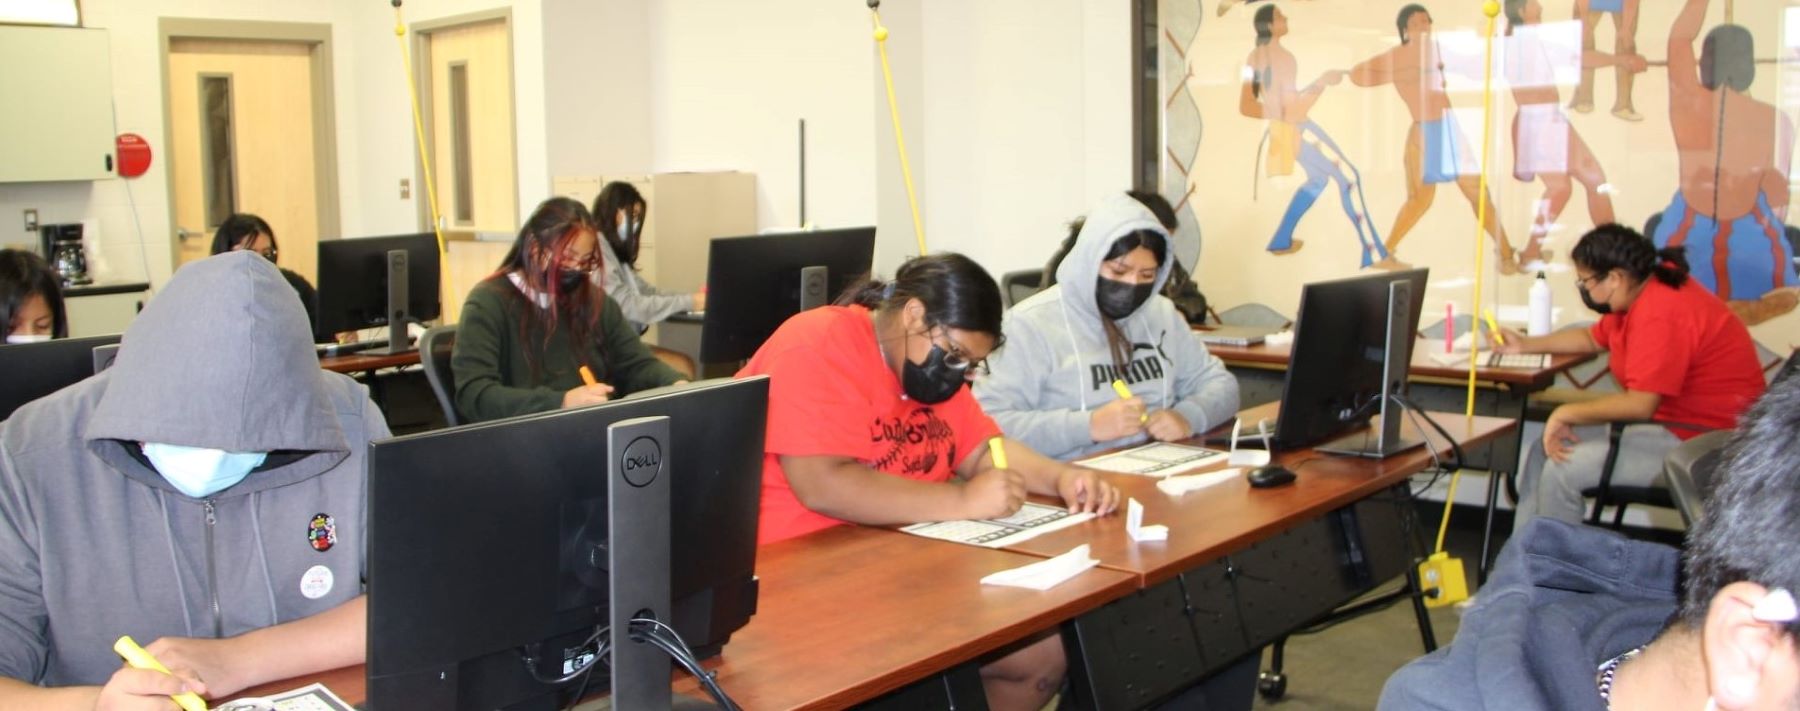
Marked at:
<point>637,495</point>
<point>1383,438</point>
<point>399,312</point>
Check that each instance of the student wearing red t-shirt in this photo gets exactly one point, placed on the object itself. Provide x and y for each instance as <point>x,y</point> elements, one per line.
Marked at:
<point>870,419</point>
<point>1678,352</point>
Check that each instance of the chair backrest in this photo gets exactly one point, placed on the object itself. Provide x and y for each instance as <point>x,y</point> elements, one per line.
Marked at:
<point>1020,285</point>
<point>1254,314</point>
<point>434,354</point>
<point>1787,370</point>
<point>1690,468</point>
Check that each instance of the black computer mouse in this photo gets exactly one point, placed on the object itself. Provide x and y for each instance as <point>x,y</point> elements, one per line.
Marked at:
<point>1269,475</point>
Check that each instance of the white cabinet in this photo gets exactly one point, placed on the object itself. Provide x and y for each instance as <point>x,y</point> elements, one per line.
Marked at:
<point>58,122</point>
<point>103,309</point>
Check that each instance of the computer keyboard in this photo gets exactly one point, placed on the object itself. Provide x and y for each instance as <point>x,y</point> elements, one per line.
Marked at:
<point>1532,361</point>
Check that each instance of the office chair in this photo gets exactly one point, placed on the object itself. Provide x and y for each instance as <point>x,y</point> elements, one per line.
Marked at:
<point>1689,469</point>
<point>1254,314</point>
<point>1621,497</point>
<point>1020,285</point>
<point>434,354</point>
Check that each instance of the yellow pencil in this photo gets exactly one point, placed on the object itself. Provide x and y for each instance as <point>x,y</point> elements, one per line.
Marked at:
<point>1125,394</point>
<point>140,659</point>
<point>997,447</point>
<point>1493,327</point>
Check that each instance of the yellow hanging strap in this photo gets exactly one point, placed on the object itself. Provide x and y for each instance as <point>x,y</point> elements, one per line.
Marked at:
<point>412,88</point>
<point>887,75</point>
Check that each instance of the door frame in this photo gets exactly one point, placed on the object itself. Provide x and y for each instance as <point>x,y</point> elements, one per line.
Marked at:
<point>420,32</point>
<point>317,37</point>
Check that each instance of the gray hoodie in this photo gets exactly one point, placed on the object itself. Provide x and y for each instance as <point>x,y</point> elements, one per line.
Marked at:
<point>641,303</point>
<point>94,543</point>
<point>1056,366</point>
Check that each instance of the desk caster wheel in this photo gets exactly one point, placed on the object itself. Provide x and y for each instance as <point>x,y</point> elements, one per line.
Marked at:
<point>1271,685</point>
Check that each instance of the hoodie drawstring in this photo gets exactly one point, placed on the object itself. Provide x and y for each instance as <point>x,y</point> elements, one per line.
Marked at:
<point>187,617</point>
<point>262,552</point>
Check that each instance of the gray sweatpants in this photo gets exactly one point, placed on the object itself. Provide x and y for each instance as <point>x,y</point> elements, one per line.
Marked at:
<point>1553,489</point>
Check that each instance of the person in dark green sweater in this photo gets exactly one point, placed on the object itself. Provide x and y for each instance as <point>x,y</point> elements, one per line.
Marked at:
<point>527,331</point>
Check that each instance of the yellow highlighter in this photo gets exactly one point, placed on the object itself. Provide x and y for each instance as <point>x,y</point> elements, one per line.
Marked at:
<point>997,448</point>
<point>140,659</point>
<point>1125,394</point>
<point>587,376</point>
<point>1494,327</point>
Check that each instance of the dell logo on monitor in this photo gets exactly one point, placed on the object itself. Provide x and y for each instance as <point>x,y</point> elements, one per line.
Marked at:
<point>641,460</point>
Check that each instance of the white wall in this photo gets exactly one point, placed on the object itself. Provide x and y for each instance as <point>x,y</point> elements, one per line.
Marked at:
<point>597,87</point>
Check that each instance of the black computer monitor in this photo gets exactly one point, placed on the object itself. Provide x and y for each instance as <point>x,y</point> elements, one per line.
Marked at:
<point>354,288</point>
<point>29,371</point>
<point>486,541</point>
<point>755,283</point>
<point>1347,353</point>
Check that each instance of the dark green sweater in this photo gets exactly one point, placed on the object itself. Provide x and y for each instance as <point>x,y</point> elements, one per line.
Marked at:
<point>494,380</point>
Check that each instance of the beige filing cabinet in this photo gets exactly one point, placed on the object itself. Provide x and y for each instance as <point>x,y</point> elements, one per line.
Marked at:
<point>686,211</point>
<point>102,309</point>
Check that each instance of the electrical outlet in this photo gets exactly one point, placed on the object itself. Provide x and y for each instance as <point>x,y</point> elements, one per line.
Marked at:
<point>405,188</point>
<point>31,220</point>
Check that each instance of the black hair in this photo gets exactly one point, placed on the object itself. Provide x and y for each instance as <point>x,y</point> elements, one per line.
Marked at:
<point>23,275</point>
<point>1147,239</point>
<point>1406,13</point>
<point>1615,246</point>
<point>957,293</point>
<point>1155,203</point>
<point>1515,13</point>
<point>1751,531</point>
<point>1264,22</point>
<point>614,197</point>
<point>239,227</point>
<point>1158,206</point>
<point>536,256</point>
<point>1728,57</point>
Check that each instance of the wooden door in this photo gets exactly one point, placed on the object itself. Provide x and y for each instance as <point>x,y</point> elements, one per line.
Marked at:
<point>241,119</point>
<point>469,70</point>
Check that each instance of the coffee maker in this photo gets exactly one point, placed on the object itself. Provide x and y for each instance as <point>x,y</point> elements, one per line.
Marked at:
<point>62,248</point>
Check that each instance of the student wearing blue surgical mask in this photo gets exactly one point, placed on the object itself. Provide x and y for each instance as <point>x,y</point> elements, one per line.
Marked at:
<point>619,212</point>
<point>31,302</point>
<point>214,510</point>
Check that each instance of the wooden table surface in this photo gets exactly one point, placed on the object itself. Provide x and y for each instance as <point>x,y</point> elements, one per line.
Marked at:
<point>1277,357</point>
<point>1206,525</point>
<point>365,361</point>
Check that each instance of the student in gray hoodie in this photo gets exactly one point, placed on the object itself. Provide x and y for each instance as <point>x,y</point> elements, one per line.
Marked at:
<point>203,495</point>
<point>1051,386</point>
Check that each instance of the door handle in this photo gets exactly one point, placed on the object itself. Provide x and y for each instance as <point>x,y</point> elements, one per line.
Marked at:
<point>183,234</point>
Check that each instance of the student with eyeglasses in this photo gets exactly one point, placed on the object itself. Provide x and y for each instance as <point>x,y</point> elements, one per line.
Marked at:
<point>870,420</point>
<point>246,232</point>
<point>529,329</point>
<point>1104,321</point>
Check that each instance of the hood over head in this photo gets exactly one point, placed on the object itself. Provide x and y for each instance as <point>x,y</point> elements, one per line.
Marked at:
<point>1118,216</point>
<point>221,358</point>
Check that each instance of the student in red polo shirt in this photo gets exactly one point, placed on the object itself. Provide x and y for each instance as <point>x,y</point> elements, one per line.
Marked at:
<point>870,419</point>
<point>1677,351</point>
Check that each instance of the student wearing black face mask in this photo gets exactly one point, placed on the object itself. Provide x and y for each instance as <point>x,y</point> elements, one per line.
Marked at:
<point>869,422</point>
<point>1676,350</point>
<point>527,331</point>
<point>1052,386</point>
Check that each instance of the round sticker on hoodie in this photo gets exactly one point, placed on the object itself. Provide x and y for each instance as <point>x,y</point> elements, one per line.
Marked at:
<point>316,582</point>
<point>321,532</point>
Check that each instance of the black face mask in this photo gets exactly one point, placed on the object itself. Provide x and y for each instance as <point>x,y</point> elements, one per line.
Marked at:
<point>1118,299</point>
<point>568,280</point>
<point>933,382</point>
<point>1599,307</point>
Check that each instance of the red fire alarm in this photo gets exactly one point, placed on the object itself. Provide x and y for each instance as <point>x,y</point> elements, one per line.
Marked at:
<point>134,155</point>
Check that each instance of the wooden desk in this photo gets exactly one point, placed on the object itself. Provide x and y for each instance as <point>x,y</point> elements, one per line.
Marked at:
<point>367,362</point>
<point>1276,358</point>
<point>1205,525</point>
<point>851,613</point>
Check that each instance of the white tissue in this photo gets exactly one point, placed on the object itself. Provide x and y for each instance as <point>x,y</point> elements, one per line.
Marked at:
<point>1134,524</point>
<point>1178,485</point>
<point>1045,574</point>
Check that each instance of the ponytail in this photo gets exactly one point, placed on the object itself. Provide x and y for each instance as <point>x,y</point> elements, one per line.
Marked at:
<point>1671,266</point>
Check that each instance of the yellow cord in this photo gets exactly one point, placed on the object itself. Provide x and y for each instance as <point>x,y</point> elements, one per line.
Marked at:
<point>1492,9</point>
<point>412,88</point>
<point>887,75</point>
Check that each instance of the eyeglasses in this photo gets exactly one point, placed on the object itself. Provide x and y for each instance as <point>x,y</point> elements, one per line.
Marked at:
<point>956,356</point>
<point>586,263</point>
<point>1581,282</point>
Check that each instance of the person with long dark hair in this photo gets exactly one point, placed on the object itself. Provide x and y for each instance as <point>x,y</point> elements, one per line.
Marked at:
<point>528,330</point>
<point>246,232</point>
<point>619,213</point>
<point>869,421</point>
<point>31,302</point>
<point>1679,354</point>
<point>1052,386</point>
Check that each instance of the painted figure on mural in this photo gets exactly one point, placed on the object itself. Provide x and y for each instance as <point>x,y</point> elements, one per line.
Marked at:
<point>1734,152</point>
<point>1546,147</point>
<point>1271,91</point>
<point>1625,18</point>
<point>1435,149</point>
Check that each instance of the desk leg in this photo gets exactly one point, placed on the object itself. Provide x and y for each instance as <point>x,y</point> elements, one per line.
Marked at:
<point>1426,635</point>
<point>1497,476</point>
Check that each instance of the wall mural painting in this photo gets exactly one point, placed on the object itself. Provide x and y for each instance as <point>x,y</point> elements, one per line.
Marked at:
<point>1297,93</point>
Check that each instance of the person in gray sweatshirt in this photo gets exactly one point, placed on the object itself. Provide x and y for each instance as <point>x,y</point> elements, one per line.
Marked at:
<point>1051,385</point>
<point>204,495</point>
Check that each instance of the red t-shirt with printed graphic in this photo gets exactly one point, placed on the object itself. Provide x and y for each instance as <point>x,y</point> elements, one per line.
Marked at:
<point>832,393</point>
<point>1686,346</point>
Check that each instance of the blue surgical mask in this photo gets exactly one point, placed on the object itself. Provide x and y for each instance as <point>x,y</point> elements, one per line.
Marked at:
<point>200,472</point>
